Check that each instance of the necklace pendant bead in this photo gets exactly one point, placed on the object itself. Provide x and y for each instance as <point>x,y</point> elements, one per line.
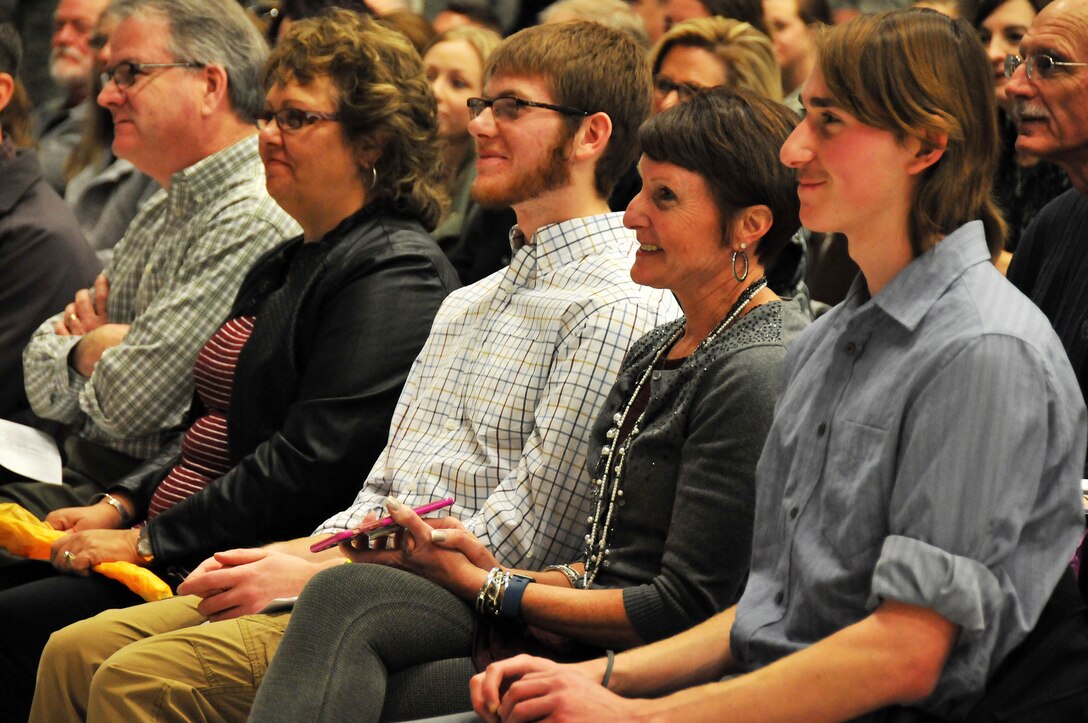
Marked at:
<point>611,433</point>
<point>617,419</point>
<point>619,493</point>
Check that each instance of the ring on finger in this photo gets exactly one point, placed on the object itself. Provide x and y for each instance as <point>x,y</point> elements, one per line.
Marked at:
<point>73,317</point>
<point>68,557</point>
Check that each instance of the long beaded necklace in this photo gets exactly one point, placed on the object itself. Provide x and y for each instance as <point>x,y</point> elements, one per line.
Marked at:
<point>608,474</point>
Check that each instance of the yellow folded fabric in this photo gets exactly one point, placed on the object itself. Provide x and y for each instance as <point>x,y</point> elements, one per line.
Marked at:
<point>24,535</point>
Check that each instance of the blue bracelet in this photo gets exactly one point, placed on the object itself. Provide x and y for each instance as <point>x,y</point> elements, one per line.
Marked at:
<point>511,599</point>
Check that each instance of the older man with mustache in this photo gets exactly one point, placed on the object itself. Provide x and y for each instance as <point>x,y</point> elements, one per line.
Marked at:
<point>61,123</point>
<point>1048,84</point>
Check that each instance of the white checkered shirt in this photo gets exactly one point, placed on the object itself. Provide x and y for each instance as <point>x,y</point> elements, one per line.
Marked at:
<point>173,278</point>
<point>497,409</point>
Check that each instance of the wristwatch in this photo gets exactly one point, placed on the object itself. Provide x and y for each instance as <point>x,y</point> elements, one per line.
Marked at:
<point>143,547</point>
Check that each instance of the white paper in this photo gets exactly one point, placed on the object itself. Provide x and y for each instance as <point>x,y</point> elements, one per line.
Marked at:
<point>29,453</point>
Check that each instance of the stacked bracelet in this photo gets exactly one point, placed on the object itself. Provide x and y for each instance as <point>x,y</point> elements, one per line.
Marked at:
<point>572,575</point>
<point>489,601</point>
<point>501,594</point>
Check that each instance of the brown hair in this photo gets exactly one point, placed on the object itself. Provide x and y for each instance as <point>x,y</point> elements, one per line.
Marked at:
<point>731,139</point>
<point>919,74</point>
<point>591,67</point>
<point>482,40</point>
<point>384,100</point>
<point>746,53</point>
<point>415,27</point>
<point>15,116</point>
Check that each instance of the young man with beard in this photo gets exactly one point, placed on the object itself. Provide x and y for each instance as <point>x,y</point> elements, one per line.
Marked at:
<point>495,412</point>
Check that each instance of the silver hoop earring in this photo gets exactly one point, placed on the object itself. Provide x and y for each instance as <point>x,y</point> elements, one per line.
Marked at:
<point>373,178</point>
<point>743,255</point>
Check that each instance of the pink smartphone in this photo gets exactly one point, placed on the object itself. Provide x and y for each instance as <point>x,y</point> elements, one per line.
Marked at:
<point>377,528</point>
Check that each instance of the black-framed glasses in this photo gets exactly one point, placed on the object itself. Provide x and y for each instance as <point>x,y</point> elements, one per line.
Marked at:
<point>291,119</point>
<point>126,72</point>
<point>506,107</point>
<point>663,86</point>
<point>1037,65</point>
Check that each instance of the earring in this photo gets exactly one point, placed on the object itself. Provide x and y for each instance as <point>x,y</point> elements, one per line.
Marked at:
<point>743,255</point>
<point>373,177</point>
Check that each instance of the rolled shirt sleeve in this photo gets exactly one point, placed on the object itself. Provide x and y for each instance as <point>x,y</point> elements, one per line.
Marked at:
<point>984,502</point>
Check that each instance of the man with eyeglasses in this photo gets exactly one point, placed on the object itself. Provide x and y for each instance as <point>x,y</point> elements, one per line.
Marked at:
<point>60,122</point>
<point>116,365</point>
<point>498,406</point>
<point>1048,84</point>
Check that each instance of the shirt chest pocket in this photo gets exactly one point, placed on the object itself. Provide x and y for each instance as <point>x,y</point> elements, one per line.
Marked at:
<point>506,385</point>
<point>851,501</point>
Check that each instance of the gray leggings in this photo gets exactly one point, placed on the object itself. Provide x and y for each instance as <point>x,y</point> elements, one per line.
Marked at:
<point>369,643</point>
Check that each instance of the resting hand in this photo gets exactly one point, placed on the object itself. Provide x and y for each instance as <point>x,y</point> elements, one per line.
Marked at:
<point>450,533</point>
<point>528,688</point>
<point>414,551</point>
<point>244,581</point>
<point>101,516</point>
<point>90,547</point>
<point>86,353</point>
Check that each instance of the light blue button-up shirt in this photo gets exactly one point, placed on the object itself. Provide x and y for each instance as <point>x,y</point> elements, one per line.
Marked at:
<point>927,447</point>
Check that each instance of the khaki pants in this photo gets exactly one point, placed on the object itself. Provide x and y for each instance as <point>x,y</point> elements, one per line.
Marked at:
<point>159,661</point>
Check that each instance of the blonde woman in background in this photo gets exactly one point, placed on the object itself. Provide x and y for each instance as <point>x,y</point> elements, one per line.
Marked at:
<point>454,63</point>
<point>709,53</point>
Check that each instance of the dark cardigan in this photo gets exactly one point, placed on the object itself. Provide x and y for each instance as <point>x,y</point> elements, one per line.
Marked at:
<point>682,540</point>
<point>314,389</point>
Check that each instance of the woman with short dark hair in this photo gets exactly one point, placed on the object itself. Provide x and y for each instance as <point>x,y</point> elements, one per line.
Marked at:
<point>672,467</point>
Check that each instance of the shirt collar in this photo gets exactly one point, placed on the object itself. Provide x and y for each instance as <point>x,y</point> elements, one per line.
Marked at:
<point>558,244</point>
<point>908,296</point>
<point>207,176</point>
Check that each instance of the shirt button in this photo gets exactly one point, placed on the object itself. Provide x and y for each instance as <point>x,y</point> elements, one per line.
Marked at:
<point>793,513</point>
<point>821,430</point>
<point>779,597</point>
<point>451,424</point>
<point>656,376</point>
<point>851,347</point>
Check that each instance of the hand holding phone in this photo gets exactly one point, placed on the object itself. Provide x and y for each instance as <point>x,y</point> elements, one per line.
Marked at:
<point>377,528</point>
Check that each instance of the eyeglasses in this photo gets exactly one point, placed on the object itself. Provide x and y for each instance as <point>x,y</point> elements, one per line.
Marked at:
<point>126,72</point>
<point>291,119</point>
<point>1036,64</point>
<point>663,86</point>
<point>506,107</point>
